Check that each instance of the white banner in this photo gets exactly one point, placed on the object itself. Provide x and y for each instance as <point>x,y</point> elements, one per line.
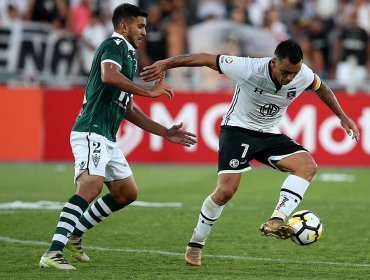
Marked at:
<point>37,52</point>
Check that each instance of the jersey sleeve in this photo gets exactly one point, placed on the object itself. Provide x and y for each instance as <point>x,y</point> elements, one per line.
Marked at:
<point>312,80</point>
<point>114,52</point>
<point>315,84</point>
<point>235,67</point>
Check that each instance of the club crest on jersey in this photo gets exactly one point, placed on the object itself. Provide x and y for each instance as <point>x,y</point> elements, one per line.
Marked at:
<point>291,94</point>
<point>269,110</point>
<point>234,163</point>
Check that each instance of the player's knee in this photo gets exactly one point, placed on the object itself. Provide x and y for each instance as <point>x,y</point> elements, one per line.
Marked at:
<point>226,193</point>
<point>126,197</point>
<point>311,169</point>
<point>89,190</point>
<point>132,196</point>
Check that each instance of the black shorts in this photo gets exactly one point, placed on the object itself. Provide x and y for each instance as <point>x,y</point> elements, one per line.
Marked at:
<point>238,146</point>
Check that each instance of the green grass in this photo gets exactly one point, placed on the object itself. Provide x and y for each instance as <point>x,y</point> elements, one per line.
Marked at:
<point>148,243</point>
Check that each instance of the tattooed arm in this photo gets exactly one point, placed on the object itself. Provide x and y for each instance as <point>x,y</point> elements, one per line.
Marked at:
<point>327,96</point>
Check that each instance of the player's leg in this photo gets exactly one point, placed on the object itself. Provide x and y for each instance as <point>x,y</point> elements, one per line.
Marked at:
<point>302,169</point>
<point>292,158</point>
<point>123,191</point>
<point>88,187</point>
<point>233,161</point>
<point>211,210</point>
<point>91,156</point>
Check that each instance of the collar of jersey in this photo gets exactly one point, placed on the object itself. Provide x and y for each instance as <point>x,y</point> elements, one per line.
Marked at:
<point>130,47</point>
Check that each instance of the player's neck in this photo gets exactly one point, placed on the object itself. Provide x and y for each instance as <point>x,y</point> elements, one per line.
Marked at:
<point>274,80</point>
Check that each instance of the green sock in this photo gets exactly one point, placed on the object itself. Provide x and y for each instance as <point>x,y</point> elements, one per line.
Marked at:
<point>98,212</point>
<point>69,215</point>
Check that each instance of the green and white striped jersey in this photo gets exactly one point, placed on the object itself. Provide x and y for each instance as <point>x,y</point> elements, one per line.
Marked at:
<point>104,106</point>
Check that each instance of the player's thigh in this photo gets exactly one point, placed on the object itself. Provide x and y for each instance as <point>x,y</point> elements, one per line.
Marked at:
<point>117,168</point>
<point>91,153</point>
<point>300,164</point>
<point>285,154</point>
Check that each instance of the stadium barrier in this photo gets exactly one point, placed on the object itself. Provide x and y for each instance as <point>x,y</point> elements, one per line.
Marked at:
<point>37,122</point>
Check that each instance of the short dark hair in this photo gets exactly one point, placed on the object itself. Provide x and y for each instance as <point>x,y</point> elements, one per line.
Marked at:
<point>289,49</point>
<point>126,12</point>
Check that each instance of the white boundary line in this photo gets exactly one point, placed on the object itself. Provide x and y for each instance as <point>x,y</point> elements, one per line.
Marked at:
<point>158,252</point>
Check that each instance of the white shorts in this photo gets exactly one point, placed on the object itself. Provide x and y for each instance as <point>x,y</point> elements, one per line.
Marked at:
<point>98,156</point>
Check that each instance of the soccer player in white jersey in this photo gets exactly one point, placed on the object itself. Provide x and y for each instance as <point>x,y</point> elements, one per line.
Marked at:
<point>98,159</point>
<point>265,87</point>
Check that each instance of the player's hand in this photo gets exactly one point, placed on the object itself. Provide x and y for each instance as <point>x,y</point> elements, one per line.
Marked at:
<point>161,88</point>
<point>351,128</point>
<point>177,135</point>
<point>155,71</point>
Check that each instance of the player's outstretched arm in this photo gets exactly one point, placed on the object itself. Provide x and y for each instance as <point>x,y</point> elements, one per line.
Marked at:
<point>110,74</point>
<point>174,134</point>
<point>157,69</point>
<point>328,97</point>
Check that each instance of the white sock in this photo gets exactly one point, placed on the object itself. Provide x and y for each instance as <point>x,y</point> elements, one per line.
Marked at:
<point>209,213</point>
<point>291,194</point>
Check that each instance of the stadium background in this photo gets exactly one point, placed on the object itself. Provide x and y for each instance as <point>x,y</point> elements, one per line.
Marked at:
<point>46,48</point>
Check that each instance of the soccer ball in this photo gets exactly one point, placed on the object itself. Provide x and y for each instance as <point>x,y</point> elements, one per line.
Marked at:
<point>307,227</point>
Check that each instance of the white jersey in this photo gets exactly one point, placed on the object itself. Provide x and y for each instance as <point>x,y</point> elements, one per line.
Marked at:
<point>257,105</point>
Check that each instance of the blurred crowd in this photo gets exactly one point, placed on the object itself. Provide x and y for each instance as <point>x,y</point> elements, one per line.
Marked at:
<point>334,34</point>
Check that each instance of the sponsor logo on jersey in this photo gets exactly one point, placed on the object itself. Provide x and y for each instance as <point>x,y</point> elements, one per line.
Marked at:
<point>82,165</point>
<point>234,163</point>
<point>117,41</point>
<point>269,110</point>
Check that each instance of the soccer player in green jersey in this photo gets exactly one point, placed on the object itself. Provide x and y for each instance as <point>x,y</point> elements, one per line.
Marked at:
<point>98,159</point>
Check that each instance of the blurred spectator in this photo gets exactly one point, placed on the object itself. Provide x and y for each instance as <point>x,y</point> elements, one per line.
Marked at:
<point>79,17</point>
<point>316,47</point>
<point>91,38</point>
<point>363,14</point>
<point>235,27</point>
<point>12,17</point>
<point>326,9</point>
<point>177,29</point>
<point>47,10</point>
<point>11,6</point>
<point>166,8</point>
<point>256,11</point>
<point>352,55</point>
<point>293,14</point>
<point>211,8</point>
<point>273,24</point>
<point>238,11</point>
<point>155,45</point>
<point>239,15</point>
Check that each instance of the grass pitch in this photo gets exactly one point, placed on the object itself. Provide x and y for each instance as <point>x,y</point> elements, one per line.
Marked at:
<point>149,242</point>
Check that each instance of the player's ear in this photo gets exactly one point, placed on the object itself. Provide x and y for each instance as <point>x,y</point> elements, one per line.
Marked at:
<point>124,26</point>
<point>273,62</point>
